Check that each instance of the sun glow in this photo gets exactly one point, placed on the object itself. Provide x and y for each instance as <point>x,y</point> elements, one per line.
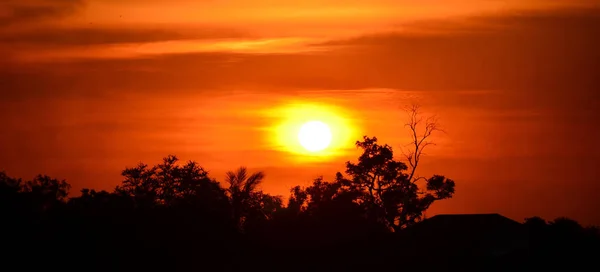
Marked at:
<point>317,131</point>
<point>314,136</point>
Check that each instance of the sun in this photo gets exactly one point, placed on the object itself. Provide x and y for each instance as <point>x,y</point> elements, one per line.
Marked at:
<point>314,136</point>
<point>310,131</point>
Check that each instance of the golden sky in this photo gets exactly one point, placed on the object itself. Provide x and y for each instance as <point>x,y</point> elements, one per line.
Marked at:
<point>90,87</point>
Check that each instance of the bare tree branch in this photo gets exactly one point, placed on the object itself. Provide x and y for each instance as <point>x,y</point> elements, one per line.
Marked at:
<point>419,141</point>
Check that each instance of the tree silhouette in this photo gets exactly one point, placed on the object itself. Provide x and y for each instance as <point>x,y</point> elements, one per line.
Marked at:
<point>323,215</point>
<point>535,222</point>
<point>38,195</point>
<point>241,189</point>
<point>101,202</point>
<point>386,188</point>
<point>9,185</point>
<point>297,200</point>
<point>45,192</point>
<point>320,198</point>
<point>12,201</point>
<point>566,225</point>
<point>47,187</point>
<point>247,202</point>
<point>140,184</point>
<point>174,216</point>
<point>9,189</point>
<point>170,184</point>
<point>386,191</point>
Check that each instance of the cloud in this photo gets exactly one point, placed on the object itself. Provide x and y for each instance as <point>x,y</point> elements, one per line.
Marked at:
<point>509,51</point>
<point>70,37</point>
<point>34,11</point>
<point>547,57</point>
<point>519,84</point>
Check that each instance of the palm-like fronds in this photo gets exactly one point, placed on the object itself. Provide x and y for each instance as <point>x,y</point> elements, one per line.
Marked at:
<point>253,181</point>
<point>240,182</point>
<point>241,191</point>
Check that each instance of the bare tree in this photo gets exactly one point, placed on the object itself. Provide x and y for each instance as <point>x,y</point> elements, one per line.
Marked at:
<point>386,189</point>
<point>420,128</point>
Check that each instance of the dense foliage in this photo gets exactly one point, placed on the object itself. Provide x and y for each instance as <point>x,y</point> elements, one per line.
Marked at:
<point>174,216</point>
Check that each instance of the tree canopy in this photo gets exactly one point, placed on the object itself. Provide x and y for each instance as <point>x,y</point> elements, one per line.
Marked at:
<point>172,214</point>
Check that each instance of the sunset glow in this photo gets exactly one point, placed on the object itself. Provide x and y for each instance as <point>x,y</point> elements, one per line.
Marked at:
<point>298,133</point>
<point>88,87</point>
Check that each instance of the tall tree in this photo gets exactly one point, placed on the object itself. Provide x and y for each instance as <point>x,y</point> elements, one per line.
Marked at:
<point>388,189</point>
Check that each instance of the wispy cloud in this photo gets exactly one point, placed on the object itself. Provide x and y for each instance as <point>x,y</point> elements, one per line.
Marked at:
<point>132,50</point>
<point>35,11</point>
<point>70,37</point>
<point>532,56</point>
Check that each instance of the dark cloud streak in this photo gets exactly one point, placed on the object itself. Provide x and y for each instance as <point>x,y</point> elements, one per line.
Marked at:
<point>35,11</point>
<point>544,58</point>
<point>84,36</point>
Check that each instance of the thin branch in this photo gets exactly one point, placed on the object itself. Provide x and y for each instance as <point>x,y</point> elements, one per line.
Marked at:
<point>419,178</point>
<point>418,141</point>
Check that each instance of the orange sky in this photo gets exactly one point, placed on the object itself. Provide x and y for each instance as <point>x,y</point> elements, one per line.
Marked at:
<point>90,87</point>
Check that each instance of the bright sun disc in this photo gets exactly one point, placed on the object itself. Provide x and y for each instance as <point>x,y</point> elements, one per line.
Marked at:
<point>314,136</point>
<point>311,132</point>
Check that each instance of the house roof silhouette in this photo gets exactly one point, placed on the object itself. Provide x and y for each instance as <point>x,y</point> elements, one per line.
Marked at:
<point>466,224</point>
<point>491,220</point>
<point>477,233</point>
